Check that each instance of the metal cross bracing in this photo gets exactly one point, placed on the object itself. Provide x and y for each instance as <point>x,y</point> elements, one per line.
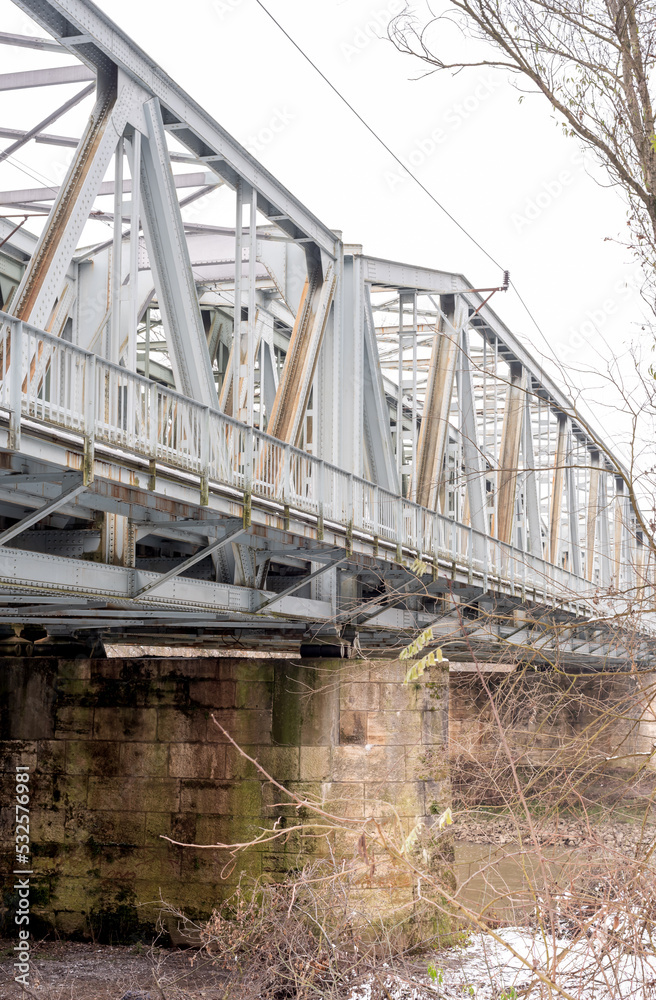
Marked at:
<point>242,429</point>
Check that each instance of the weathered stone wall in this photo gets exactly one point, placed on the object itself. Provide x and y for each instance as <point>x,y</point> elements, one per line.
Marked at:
<point>125,750</point>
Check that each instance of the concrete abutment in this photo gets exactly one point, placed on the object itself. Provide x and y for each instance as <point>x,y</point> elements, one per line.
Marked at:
<point>123,751</point>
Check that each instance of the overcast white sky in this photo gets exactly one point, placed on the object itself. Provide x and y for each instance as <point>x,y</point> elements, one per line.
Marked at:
<point>501,167</point>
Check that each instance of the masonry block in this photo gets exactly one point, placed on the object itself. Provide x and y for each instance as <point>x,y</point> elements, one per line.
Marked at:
<point>105,827</point>
<point>213,694</point>
<point>395,727</point>
<point>360,696</point>
<point>130,793</point>
<point>197,760</point>
<point>125,723</point>
<point>93,757</point>
<point>182,724</point>
<point>72,722</point>
<point>395,798</point>
<point>51,756</point>
<point>314,763</point>
<point>246,726</point>
<point>142,759</point>
<point>282,763</point>
<point>353,727</point>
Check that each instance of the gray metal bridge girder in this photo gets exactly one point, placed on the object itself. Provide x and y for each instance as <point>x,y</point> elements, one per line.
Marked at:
<point>108,47</point>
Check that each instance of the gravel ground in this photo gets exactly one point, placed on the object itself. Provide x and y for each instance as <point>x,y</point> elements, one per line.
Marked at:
<point>75,971</point>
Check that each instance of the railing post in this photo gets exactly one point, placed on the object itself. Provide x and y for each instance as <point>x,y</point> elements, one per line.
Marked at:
<point>349,515</point>
<point>204,430</point>
<point>470,575</point>
<point>286,482</point>
<point>248,475</point>
<point>15,385</point>
<point>321,478</point>
<point>153,418</point>
<point>399,529</point>
<point>376,516</point>
<point>89,418</point>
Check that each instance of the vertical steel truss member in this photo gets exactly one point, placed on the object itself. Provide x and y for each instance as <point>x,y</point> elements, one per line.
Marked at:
<point>509,458</point>
<point>169,257</point>
<point>229,396</point>
<point>407,339</point>
<point>471,451</point>
<point>555,512</point>
<point>531,484</point>
<point>592,515</point>
<point>377,434</point>
<point>572,507</point>
<point>290,404</point>
<point>619,532</point>
<point>434,431</point>
<point>350,350</point>
<point>604,532</point>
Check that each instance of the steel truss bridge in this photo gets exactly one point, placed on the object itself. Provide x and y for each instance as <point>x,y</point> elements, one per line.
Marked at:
<point>252,433</point>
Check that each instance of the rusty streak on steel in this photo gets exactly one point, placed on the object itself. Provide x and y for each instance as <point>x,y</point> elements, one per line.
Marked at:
<point>39,265</point>
<point>435,423</point>
<point>509,458</point>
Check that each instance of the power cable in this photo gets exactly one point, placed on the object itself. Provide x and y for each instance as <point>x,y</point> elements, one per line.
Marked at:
<point>398,160</point>
<point>378,138</point>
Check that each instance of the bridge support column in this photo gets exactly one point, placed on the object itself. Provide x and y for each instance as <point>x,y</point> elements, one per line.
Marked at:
<point>124,753</point>
<point>370,747</point>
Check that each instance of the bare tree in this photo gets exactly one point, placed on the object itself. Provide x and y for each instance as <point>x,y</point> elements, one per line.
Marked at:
<point>592,59</point>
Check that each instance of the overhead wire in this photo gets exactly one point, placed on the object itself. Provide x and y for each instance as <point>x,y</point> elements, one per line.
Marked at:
<point>398,160</point>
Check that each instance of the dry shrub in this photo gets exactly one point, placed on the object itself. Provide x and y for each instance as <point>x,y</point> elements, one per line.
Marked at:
<point>303,937</point>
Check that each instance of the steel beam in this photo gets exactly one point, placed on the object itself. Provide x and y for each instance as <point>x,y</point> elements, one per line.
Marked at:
<point>471,449</point>
<point>434,431</point>
<point>290,404</point>
<point>186,564</point>
<point>29,42</point>
<point>573,508</point>
<point>48,120</point>
<point>171,265</point>
<point>511,436</point>
<point>44,276</point>
<point>302,582</point>
<point>46,77</point>
<point>26,196</point>
<point>556,505</point>
<point>107,45</point>
<point>375,409</point>
<point>592,515</point>
<point>350,349</point>
<point>48,508</point>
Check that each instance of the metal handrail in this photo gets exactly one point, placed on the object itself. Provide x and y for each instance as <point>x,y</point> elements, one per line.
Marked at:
<point>180,431</point>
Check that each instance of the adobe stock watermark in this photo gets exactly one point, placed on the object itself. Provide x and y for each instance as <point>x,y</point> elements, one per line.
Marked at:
<point>371,30</point>
<point>23,871</point>
<point>222,8</point>
<point>452,120</point>
<point>551,190</point>
<point>595,319</point>
<point>280,119</point>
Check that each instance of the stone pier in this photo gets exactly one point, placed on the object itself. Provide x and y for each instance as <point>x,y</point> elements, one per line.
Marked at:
<point>122,751</point>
